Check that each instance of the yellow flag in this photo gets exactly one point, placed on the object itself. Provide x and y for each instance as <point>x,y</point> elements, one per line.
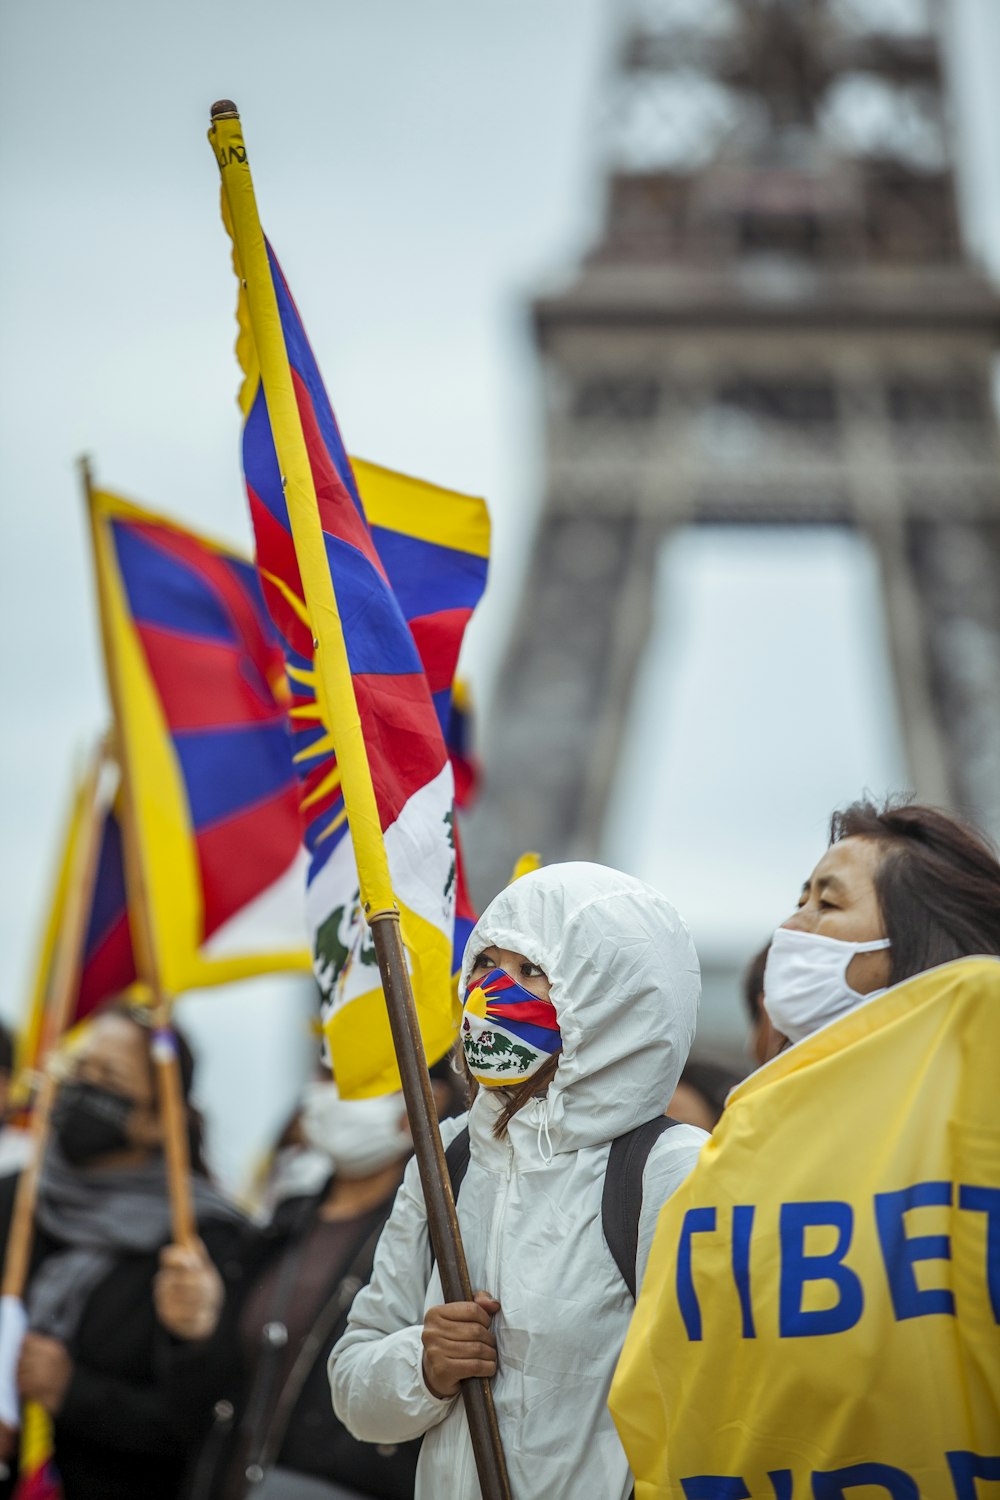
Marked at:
<point>529,861</point>
<point>820,1315</point>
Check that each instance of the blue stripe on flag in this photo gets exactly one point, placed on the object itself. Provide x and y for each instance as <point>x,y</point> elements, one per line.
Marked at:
<point>227,771</point>
<point>378,640</point>
<point>427,577</point>
<point>162,591</point>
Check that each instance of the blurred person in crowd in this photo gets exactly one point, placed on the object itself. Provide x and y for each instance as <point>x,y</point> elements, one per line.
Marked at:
<point>337,1171</point>
<point>128,1399</point>
<point>765,1042</point>
<point>700,1095</point>
<point>900,889</point>
<point>15,1143</point>
<point>581,991</point>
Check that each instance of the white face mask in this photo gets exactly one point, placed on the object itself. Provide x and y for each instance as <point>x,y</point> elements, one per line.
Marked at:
<point>805,980</point>
<point>360,1136</point>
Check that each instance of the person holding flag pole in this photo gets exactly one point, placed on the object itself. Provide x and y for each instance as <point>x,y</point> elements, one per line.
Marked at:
<point>164,1050</point>
<point>68,953</point>
<point>329,669</point>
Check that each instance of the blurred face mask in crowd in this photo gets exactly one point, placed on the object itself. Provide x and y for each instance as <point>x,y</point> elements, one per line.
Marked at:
<point>805,980</point>
<point>89,1122</point>
<point>508,1033</point>
<point>360,1136</point>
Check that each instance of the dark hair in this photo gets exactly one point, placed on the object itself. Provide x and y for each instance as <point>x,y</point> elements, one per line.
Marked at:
<point>753,983</point>
<point>712,1081</point>
<point>519,1096</point>
<point>142,1018</point>
<point>6,1049</point>
<point>937,882</point>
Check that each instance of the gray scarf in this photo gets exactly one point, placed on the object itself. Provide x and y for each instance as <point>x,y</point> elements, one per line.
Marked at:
<point>100,1217</point>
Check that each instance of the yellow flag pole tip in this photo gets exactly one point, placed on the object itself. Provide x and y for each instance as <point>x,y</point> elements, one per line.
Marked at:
<point>224,109</point>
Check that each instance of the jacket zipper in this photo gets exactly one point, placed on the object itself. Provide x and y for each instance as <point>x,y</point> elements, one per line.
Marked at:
<point>496,1222</point>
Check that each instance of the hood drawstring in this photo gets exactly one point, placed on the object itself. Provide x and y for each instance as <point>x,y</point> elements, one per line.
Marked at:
<point>543,1129</point>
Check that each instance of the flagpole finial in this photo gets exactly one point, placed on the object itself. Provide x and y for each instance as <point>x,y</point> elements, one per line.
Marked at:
<point>224,109</point>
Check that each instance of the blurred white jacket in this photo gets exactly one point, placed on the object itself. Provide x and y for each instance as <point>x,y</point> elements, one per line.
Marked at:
<point>625,985</point>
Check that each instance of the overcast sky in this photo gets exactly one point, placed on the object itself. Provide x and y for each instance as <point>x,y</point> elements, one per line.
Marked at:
<point>423,167</point>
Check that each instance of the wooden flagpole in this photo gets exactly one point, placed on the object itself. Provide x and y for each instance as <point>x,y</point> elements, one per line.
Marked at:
<point>336,685</point>
<point>66,967</point>
<point>164,1049</point>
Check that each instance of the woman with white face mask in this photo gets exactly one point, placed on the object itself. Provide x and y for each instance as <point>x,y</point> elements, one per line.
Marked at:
<point>581,989</point>
<point>275,1435</point>
<point>898,891</point>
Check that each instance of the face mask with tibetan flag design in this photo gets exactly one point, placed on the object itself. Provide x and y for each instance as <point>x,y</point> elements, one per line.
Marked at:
<point>507,1033</point>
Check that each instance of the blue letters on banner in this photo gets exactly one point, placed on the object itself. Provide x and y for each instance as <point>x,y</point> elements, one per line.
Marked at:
<point>742,1230</point>
<point>833,1484</point>
<point>901,1251</point>
<point>985,1200</point>
<point>714,1487</point>
<point>696,1221</point>
<point>966,1468</point>
<point>797,1268</point>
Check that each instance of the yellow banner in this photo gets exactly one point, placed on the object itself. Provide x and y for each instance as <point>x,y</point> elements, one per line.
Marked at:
<point>820,1316</point>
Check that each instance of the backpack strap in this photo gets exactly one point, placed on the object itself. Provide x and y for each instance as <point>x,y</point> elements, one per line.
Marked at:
<point>621,1204</point>
<point>456,1159</point>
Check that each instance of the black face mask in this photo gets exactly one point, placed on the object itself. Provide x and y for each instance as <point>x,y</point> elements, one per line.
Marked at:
<point>89,1122</point>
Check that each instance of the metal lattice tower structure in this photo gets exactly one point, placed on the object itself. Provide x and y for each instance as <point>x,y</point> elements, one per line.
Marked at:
<point>778,323</point>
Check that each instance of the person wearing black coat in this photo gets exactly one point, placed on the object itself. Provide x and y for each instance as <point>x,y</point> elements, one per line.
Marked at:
<point>129,1400</point>
<point>276,1435</point>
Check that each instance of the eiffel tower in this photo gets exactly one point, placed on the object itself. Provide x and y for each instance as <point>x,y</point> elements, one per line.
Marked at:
<point>777,324</point>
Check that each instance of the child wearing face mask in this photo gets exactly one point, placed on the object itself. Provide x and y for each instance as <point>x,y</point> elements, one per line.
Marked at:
<point>329,1197</point>
<point>581,988</point>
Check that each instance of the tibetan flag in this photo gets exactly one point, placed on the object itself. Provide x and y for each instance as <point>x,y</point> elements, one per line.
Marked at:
<point>108,963</point>
<point>408,564</point>
<point>434,545</point>
<point>820,1313</point>
<point>39,1477</point>
<point>458,738</point>
<point>199,688</point>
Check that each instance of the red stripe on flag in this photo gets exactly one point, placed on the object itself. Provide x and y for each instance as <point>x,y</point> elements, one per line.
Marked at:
<point>109,969</point>
<point>402,737</point>
<point>464,909</point>
<point>276,555</point>
<point>337,512</point>
<point>242,856</point>
<point>438,640</point>
<point>211,567</point>
<point>204,684</point>
<point>535,1012</point>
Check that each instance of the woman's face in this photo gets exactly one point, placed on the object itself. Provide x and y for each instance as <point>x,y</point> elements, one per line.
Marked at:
<point>839,901</point>
<point>528,975</point>
<point>113,1055</point>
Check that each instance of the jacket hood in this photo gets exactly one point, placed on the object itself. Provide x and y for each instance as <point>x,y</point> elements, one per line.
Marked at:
<point>625,985</point>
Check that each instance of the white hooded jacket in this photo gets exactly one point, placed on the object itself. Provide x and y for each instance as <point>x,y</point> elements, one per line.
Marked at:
<point>625,985</point>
